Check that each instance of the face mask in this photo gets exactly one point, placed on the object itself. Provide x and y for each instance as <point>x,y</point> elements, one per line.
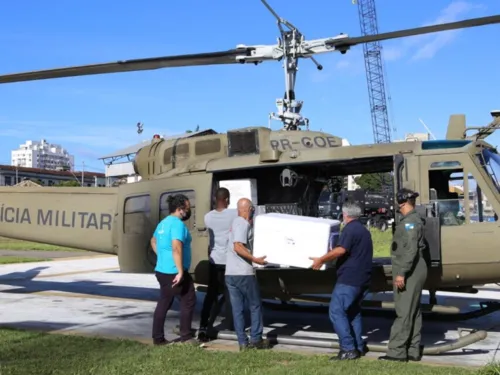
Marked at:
<point>186,215</point>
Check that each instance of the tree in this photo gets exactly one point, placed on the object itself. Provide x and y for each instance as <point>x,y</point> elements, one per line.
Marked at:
<point>373,181</point>
<point>70,183</point>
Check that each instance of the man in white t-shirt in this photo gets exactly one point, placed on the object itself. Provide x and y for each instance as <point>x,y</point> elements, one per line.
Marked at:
<point>218,223</point>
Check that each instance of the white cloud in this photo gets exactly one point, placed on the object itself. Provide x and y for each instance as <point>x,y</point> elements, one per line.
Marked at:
<point>452,13</point>
<point>427,45</point>
<point>391,53</point>
<point>352,64</point>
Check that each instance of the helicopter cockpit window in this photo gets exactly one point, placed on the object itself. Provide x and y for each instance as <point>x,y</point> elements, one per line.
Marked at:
<point>446,190</point>
<point>188,193</point>
<point>136,214</point>
<point>445,164</point>
<point>481,209</point>
<point>490,161</point>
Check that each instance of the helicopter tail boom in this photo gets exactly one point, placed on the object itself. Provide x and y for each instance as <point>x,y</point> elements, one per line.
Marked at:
<point>76,217</point>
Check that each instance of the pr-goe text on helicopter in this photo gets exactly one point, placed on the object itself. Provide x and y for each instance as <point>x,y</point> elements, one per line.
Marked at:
<point>290,166</point>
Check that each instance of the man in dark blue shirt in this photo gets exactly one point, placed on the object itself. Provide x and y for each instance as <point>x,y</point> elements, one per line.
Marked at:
<point>354,254</point>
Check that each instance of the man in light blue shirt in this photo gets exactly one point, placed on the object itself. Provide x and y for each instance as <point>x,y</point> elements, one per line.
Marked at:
<point>169,229</point>
<point>172,243</point>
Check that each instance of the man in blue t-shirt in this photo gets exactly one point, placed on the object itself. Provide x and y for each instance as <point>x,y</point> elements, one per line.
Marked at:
<point>172,244</point>
<point>354,254</point>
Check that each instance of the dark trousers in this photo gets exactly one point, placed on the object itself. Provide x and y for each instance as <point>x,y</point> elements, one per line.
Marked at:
<point>345,315</point>
<point>184,290</point>
<point>215,284</point>
<point>244,290</point>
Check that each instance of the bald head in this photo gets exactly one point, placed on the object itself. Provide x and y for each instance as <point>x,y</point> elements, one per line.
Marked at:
<point>244,203</point>
<point>245,208</point>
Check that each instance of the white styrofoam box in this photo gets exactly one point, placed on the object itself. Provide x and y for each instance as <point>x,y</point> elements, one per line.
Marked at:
<point>259,210</point>
<point>246,188</point>
<point>289,240</point>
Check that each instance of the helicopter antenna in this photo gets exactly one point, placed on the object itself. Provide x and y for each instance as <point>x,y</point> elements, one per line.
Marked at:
<point>426,128</point>
<point>140,127</point>
<point>289,44</point>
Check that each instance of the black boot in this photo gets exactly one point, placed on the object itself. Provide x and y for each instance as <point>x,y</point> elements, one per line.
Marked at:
<point>388,358</point>
<point>346,355</point>
<point>262,344</point>
<point>365,350</point>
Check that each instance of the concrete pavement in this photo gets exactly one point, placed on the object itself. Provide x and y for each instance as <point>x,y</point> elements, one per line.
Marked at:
<point>42,254</point>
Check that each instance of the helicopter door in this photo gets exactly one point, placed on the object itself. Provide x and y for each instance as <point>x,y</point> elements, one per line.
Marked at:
<point>454,187</point>
<point>135,227</point>
<point>198,188</point>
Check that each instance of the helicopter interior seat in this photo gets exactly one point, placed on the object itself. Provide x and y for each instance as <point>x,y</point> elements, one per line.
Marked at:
<point>449,210</point>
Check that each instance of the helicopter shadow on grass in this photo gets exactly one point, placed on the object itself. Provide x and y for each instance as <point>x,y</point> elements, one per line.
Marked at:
<point>376,329</point>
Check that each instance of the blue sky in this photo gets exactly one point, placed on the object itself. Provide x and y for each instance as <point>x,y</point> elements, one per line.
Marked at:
<point>429,77</point>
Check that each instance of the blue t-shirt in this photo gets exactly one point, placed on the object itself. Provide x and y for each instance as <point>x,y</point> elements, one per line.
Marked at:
<point>169,229</point>
<point>355,266</point>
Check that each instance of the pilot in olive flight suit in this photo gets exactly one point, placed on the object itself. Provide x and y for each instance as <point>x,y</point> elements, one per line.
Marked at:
<point>409,273</point>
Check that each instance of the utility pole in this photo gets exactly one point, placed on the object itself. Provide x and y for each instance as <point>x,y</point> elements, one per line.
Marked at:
<point>83,173</point>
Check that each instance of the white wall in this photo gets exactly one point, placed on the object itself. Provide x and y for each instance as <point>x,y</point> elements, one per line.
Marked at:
<point>120,170</point>
<point>351,185</point>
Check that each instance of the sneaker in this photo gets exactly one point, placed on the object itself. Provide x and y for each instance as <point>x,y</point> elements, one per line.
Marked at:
<point>365,350</point>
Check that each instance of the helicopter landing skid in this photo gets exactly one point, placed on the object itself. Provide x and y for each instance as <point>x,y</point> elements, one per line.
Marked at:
<point>464,340</point>
<point>386,309</point>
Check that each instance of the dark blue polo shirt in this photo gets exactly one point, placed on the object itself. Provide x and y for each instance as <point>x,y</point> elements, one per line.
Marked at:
<point>355,266</point>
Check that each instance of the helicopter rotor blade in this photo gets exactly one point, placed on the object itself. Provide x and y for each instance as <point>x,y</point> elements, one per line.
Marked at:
<point>242,54</point>
<point>212,58</point>
<point>474,22</point>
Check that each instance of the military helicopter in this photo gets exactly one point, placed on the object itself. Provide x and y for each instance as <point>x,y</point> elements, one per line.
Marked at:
<point>290,167</point>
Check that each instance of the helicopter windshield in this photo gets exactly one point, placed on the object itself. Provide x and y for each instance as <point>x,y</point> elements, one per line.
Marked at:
<point>490,161</point>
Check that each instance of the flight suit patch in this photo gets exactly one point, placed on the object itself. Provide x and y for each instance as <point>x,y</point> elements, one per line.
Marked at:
<point>409,226</point>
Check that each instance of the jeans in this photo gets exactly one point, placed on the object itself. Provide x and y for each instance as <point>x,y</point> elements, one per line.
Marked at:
<point>244,290</point>
<point>345,315</point>
<point>184,290</point>
<point>215,283</point>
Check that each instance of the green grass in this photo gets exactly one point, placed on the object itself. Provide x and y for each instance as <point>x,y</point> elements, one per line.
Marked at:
<point>381,243</point>
<point>11,259</point>
<point>25,353</point>
<point>11,244</point>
